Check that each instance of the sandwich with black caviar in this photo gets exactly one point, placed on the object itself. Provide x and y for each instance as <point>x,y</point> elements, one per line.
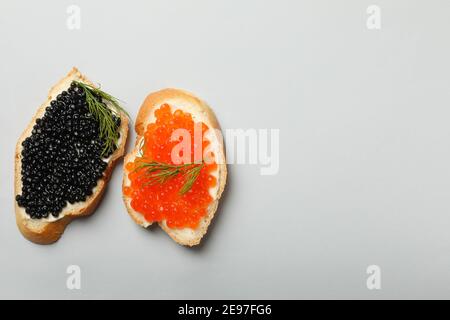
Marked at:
<point>65,157</point>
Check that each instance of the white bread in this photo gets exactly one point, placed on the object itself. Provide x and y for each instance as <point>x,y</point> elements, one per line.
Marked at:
<point>47,231</point>
<point>200,111</point>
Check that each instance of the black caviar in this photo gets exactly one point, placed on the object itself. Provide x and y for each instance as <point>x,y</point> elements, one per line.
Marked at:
<point>63,158</point>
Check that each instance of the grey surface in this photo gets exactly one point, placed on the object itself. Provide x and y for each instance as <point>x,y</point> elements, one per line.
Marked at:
<point>363,115</point>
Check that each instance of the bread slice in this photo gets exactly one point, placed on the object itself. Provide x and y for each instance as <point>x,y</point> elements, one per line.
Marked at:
<point>49,230</point>
<point>200,111</point>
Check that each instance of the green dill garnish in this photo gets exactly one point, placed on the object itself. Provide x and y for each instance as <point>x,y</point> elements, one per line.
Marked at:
<point>160,173</point>
<point>95,99</point>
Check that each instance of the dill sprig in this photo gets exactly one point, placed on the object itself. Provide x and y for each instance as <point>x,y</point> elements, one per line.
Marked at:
<point>95,99</point>
<point>160,173</point>
<point>191,176</point>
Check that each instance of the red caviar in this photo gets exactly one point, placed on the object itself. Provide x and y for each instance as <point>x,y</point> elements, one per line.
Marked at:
<point>163,201</point>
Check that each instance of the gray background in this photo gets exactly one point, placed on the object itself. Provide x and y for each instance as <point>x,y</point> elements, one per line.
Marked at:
<point>364,157</point>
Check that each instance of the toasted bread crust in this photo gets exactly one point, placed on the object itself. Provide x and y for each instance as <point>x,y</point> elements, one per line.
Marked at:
<point>46,232</point>
<point>187,237</point>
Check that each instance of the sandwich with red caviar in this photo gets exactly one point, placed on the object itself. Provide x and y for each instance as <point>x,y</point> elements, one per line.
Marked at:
<point>65,157</point>
<point>176,173</point>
